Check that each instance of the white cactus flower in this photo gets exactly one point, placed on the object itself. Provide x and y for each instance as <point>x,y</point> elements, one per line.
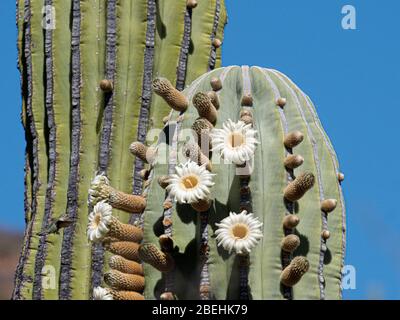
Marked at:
<point>239,232</point>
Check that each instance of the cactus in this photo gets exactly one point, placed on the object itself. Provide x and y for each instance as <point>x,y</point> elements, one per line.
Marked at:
<point>86,87</point>
<point>255,224</point>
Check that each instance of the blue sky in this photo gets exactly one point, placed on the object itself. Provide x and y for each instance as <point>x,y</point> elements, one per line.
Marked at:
<point>351,75</point>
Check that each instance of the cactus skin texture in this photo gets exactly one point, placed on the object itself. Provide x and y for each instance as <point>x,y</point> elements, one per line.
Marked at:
<point>78,125</point>
<point>289,208</point>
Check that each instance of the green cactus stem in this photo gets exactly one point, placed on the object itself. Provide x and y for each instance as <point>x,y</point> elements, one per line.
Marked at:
<point>87,94</point>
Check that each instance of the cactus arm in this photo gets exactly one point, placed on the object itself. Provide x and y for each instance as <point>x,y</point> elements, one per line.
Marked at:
<point>332,260</point>
<point>290,135</point>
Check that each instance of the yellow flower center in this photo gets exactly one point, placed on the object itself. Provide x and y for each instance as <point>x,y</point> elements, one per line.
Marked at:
<point>189,182</point>
<point>236,139</point>
<point>240,231</point>
<point>96,220</point>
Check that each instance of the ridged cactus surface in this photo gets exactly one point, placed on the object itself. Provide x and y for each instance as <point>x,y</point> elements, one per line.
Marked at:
<point>86,87</point>
<point>282,195</point>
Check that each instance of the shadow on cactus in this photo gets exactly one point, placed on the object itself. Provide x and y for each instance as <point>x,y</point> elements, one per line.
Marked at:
<point>242,198</point>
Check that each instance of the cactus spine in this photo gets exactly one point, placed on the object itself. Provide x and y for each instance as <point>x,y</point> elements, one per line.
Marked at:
<point>115,48</point>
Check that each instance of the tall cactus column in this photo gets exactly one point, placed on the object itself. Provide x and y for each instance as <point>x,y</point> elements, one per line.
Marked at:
<point>262,215</point>
<point>86,89</point>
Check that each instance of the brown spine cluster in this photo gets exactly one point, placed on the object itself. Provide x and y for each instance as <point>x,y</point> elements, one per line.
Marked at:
<point>325,234</point>
<point>293,139</point>
<point>167,296</point>
<point>126,249</point>
<point>292,274</point>
<point>163,181</point>
<point>202,205</point>
<point>293,161</point>
<point>247,100</point>
<point>217,43</point>
<point>126,295</point>
<point>216,83</point>
<point>144,174</point>
<point>290,243</point>
<point>214,98</point>
<point>193,152</point>
<point>297,188</point>
<point>126,266</point>
<point>150,254</point>
<point>175,99</point>
<point>124,281</point>
<point>281,102</point>
<point>291,221</point>
<point>106,85</point>
<point>126,202</point>
<point>328,205</point>
<point>246,116</point>
<point>142,152</point>
<point>204,106</point>
<point>124,232</point>
<point>202,127</point>
<point>191,4</point>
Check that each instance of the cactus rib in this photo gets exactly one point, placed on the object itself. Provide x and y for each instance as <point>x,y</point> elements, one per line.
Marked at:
<point>51,125</point>
<point>183,55</point>
<point>20,276</point>
<point>245,198</point>
<point>319,182</point>
<point>110,76</point>
<point>291,139</point>
<point>335,165</point>
<point>72,205</point>
<point>213,52</point>
<point>146,92</point>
